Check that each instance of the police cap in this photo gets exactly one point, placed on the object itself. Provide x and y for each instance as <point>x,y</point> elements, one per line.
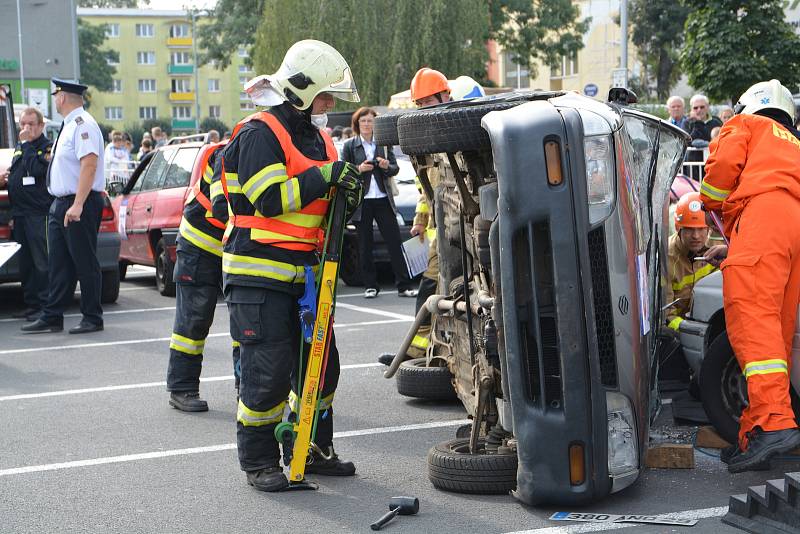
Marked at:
<point>68,87</point>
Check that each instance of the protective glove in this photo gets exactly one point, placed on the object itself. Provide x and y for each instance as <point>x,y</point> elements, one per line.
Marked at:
<point>340,174</point>
<point>353,197</point>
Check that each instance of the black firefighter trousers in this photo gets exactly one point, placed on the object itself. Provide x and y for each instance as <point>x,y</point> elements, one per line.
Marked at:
<point>267,325</point>
<point>198,280</point>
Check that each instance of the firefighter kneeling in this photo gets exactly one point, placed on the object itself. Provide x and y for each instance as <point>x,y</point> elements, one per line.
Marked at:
<point>279,169</point>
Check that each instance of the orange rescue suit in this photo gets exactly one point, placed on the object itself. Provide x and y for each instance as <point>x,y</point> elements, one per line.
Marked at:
<point>753,178</point>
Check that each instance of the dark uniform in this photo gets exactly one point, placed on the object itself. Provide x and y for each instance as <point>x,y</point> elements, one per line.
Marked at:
<point>30,202</point>
<point>278,200</point>
<point>198,279</point>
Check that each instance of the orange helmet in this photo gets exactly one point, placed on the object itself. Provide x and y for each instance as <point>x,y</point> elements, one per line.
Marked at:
<point>689,212</point>
<point>428,82</point>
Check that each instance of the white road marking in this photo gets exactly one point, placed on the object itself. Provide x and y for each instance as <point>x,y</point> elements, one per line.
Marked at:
<point>115,312</point>
<point>211,448</point>
<point>374,311</point>
<point>157,339</point>
<point>702,513</point>
<point>142,385</point>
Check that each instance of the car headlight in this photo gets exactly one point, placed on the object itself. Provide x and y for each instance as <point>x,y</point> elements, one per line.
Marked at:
<point>623,450</point>
<point>599,176</point>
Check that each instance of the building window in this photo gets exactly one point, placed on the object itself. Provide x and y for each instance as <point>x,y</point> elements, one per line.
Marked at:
<point>243,96</point>
<point>179,30</point>
<point>244,68</point>
<point>243,52</point>
<point>213,112</point>
<point>114,113</point>
<point>213,85</point>
<point>147,86</point>
<point>147,112</point>
<point>112,30</point>
<point>116,86</point>
<point>516,76</point>
<point>242,80</point>
<point>146,58</point>
<point>247,106</point>
<point>568,67</point>
<point>181,112</point>
<point>144,30</point>
<point>181,85</point>
<point>111,61</point>
<point>181,58</point>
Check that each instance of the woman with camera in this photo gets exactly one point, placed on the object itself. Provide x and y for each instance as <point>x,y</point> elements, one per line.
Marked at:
<point>377,165</point>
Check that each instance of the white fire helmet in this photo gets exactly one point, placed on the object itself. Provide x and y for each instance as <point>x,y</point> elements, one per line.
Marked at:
<point>465,88</point>
<point>764,95</point>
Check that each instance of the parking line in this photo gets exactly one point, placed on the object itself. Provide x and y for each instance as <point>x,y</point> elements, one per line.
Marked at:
<point>142,385</point>
<point>158,339</point>
<point>701,513</point>
<point>212,448</point>
<point>115,312</point>
<point>374,311</point>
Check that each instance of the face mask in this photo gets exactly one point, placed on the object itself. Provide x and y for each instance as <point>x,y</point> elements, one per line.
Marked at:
<point>320,121</point>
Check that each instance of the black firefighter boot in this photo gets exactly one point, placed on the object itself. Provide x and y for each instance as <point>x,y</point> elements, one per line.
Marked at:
<point>325,461</point>
<point>762,446</point>
<point>187,401</point>
<point>268,479</point>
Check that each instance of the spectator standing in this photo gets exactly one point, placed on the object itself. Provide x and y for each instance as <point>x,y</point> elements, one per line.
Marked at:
<point>30,202</point>
<point>677,111</point>
<point>117,158</point>
<point>726,114</point>
<point>212,137</point>
<point>700,122</point>
<point>159,137</point>
<point>377,165</point>
<point>347,133</point>
<point>75,179</point>
<point>146,146</point>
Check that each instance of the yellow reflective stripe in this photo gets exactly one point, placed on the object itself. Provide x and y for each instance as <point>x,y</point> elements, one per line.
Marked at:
<point>290,195</point>
<point>200,239</point>
<point>235,344</point>
<point>216,189</point>
<point>302,219</point>
<point>251,266</point>
<point>693,277</point>
<point>764,367</point>
<point>675,323</point>
<point>260,181</point>
<point>422,206</point>
<point>420,342</point>
<point>249,417</point>
<point>292,401</point>
<point>324,403</point>
<point>257,233</point>
<point>713,192</point>
<point>208,174</point>
<point>232,182</point>
<point>187,345</point>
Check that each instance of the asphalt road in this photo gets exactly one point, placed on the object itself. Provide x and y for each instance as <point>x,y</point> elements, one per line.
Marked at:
<point>89,443</point>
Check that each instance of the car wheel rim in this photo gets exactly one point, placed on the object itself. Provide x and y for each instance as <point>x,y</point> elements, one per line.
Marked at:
<point>160,269</point>
<point>463,448</point>
<point>734,389</point>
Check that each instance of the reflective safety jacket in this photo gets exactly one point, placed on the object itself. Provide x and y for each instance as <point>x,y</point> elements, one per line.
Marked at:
<point>198,225</point>
<point>683,274</point>
<point>751,155</point>
<point>277,196</point>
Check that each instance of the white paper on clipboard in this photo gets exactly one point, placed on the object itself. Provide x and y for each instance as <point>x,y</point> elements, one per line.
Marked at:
<point>416,255</point>
<point>7,251</point>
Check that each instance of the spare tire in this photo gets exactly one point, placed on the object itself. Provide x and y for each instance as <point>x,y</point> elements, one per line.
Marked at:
<point>416,379</point>
<point>448,129</point>
<point>384,132</point>
<point>452,468</point>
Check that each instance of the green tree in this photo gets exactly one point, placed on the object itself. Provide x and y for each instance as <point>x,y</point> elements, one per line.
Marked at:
<point>95,70</point>
<point>537,31</point>
<point>732,44</point>
<point>229,25</point>
<point>211,123</point>
<point>658,35</point>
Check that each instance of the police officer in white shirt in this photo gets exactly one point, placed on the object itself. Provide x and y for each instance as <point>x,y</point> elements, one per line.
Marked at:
<point>75,179</point>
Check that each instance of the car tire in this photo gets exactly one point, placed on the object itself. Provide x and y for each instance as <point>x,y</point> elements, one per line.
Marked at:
<point>109,288</point>
<point>349,269</point>
<point>123,270</point>
<point>447,129</point>
<point>452,468</point>
<point>415,379</point>
<point>384,132</point>
<point>164,269</point>
<point>723,389</point>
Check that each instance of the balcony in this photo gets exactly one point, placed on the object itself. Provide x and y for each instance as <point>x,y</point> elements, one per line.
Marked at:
<point>180,70</point>
<point>179,42</point>
<point>181,97</point>
<point>184,124</point>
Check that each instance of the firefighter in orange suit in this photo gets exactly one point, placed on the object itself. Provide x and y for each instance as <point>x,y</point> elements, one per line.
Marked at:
<point>753,180</point>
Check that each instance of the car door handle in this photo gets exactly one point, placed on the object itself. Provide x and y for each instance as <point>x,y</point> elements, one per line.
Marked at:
<point>149,208</point>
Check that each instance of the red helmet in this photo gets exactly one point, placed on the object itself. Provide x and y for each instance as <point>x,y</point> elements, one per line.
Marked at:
<point>689,212</point>
<point>428,82</point>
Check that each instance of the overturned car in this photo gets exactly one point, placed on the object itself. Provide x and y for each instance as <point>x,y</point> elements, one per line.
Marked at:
<point>551,226</point>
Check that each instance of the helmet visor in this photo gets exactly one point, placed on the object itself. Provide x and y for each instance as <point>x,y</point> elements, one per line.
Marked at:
<point>345,88</point>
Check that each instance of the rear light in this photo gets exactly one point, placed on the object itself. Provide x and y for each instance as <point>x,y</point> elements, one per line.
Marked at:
<point>5,232</point>
<point>108,210</point>
<point>552,157</point>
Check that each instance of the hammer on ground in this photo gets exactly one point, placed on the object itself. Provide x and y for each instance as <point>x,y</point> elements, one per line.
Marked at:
<point>398,505</point>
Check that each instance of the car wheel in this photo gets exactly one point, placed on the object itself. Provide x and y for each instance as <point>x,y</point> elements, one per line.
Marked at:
<point>415,379</point>
<point>109,290</point>
<point>349,270</point>
<point>164,268</point>
<point>723,389</point>
<point>447,129</point>
<point>452,468</point>
<point>123,270</point>
<point>384,132</point>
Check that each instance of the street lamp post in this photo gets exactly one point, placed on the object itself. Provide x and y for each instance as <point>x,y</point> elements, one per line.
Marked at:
<point>196,76</point>
<point>21,65</point>
<point>623,22</point>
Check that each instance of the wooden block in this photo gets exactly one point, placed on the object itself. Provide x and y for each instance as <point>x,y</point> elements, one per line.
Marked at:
<point>707,437</point>
<point>670,456</point>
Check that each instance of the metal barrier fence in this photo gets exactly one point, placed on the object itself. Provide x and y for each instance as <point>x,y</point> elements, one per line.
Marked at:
<point>694,163</point>
<point>119,171</point>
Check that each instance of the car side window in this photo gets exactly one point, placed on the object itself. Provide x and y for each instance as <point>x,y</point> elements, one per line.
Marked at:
<point>155,171</point>
<point>179,171</point>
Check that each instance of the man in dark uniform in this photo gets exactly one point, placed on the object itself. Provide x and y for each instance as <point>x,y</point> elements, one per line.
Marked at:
<point>278,171</point>
<point>30,202</point>
<point>75,179</point>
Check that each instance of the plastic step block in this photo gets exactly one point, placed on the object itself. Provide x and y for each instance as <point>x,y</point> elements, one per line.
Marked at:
<point>778,488</point>
<point>758,525</point>
<point>771,508</point>
<point>741,505</point>
<point>759,494</point>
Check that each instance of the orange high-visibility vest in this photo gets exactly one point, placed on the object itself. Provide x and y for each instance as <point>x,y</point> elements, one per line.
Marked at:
<point>197,192</point>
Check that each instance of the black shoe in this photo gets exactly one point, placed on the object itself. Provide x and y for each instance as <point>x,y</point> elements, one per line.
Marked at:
<point>269,479</point>
<point>386,358</point>
<point>41,327</point>
<point>727,453</point>
<point>85,327</point>
<point>328,463</point>
<point>27,314</point>
<point>762,446</point>
<point>187,401</point>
